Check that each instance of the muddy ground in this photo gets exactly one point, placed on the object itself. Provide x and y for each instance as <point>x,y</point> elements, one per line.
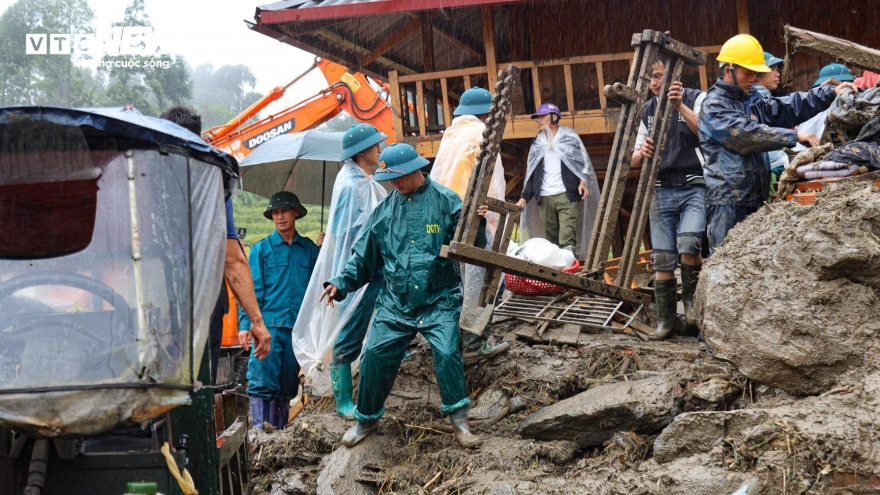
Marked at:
<point>621,416</point>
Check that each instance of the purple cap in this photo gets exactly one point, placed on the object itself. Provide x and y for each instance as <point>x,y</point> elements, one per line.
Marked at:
<point>545,109</point>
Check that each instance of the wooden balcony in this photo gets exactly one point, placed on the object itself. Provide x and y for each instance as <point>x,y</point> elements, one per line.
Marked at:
<point>423,103</point>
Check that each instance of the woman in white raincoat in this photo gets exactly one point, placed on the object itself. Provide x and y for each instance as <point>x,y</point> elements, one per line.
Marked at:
<point>561,181</point>
<point>320,328</point>
<point>453,168</point>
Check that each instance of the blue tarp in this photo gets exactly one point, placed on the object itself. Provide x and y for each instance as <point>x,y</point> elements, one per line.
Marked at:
<point>125,123</point>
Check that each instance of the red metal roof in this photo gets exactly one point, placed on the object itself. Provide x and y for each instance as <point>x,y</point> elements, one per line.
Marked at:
<point>364,8</point>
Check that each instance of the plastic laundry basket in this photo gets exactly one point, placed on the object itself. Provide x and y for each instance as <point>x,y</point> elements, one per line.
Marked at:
<point>530,287</point>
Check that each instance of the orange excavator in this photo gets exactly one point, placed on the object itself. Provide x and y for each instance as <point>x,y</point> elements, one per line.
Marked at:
<point>348,91</point>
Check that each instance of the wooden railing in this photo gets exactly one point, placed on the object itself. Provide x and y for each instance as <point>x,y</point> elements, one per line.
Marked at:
<point>422,102</point>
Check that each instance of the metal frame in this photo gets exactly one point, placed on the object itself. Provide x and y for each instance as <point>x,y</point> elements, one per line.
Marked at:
<point>586,311</point>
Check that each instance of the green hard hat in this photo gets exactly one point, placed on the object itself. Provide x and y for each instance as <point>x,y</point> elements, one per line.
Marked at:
<point>475,101</point>
<point>398,160</point>
<point>358,138</point>
<point>834,71</point>
<point>770,60</point>
<point>284,199</point>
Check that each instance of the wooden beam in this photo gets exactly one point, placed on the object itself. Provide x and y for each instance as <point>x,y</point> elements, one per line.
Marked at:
<point>390,42</point>
<point>836,48</point>
<point>467,82</point>
<point>704,81</point>
<point>420,107</point>
<point>600,77</point>
<point>447,117</point>
<point>536,88</point>
<point>358,49</point>
<point>569,87</point>
<point>427,42</point>
<point>742,16</point>
<point>396,108</point>
<point>489,41</point>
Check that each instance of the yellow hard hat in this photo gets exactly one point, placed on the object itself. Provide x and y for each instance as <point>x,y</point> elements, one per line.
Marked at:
<point>745,51</point>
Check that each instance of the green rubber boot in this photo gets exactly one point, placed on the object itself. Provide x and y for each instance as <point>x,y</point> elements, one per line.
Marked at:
<point>340,378</point>
<point>462,429</point>
<point>358,432</point>
<point>665,300</point>
<point>690,275</point>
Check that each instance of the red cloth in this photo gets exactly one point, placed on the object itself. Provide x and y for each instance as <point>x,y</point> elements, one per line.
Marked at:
<point>868,80</point>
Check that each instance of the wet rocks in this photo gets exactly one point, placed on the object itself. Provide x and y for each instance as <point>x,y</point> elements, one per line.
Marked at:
<point>790,299</point>
<point>342,467</point>
<point>697,432</point>
<point>592,417</point>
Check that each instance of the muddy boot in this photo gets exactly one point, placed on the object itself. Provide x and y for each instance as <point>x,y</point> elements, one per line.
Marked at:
<point>358,432</point>
<point>462,430</point>
<point>283,413</point>
<point>259,412</point>
<point>273,413</point>
<point>690,275</point>
<point>665,300</point>
<point>340,378</point>
<point>477,348</point>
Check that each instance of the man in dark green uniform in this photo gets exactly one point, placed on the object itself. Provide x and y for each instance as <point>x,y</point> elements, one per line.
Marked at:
<point>422,290</point>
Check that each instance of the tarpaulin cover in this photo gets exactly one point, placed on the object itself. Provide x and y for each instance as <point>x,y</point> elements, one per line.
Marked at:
<point>273,166</point>
<point>355,196</point>
<point>453,168</point>
<point>574,156</point>
<point>107,333</point>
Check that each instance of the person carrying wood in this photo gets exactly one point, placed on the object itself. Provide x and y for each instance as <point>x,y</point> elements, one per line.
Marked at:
<point>678,213</point>
<point>453,168</point>
<point>736,129</point>
<point>422,291</point>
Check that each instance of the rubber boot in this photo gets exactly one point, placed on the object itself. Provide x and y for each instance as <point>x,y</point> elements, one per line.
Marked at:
<point>665,300</point>
<point>340,379</point>
<point>259,412</point>
<point>477,348</point>
<point>462,429</point>
<point>690,275</point>
<point>358,432</point>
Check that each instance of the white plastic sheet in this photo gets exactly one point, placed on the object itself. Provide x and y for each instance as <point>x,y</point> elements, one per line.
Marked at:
<point>453,168</point>
<point>574,156</point>
<point>355,196</point>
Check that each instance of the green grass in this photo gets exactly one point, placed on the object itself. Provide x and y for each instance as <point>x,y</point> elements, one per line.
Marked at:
<point>249,210</point>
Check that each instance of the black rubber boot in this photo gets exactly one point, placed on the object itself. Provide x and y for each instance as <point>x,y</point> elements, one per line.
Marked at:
<point>690,275</point>
<point>665,300</point>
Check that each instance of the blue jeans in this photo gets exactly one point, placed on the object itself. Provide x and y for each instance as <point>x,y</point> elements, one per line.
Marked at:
<point>722,218</point>
<point>678,220</point>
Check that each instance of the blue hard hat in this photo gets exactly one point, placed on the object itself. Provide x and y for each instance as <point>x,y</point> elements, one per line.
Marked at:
<point>358,138</point>
<point>545,109</point>
<point>398,160</point>
<point>834,71</point>
<point>770,60</point>
<point>475,101</point>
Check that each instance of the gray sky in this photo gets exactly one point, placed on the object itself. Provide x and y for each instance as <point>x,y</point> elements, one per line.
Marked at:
<point>213,31</point>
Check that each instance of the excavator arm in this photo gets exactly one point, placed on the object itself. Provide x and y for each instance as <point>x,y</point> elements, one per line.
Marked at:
<point>347,91</point>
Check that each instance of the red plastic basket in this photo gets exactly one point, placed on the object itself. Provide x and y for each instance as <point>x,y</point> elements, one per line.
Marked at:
<point>530,287</point>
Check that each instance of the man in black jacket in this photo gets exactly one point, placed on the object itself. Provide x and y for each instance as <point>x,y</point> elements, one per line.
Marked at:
<point>677,215</point>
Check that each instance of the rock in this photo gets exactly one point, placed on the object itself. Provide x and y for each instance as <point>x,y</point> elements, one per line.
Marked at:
<point>715,390</point>
<point>342,467</point>
<point>490,404</point>
<point>503,490</point>
<point>696,432</point>
<point>288,482</point>
<point>790,298</point>
<point>591,417</point>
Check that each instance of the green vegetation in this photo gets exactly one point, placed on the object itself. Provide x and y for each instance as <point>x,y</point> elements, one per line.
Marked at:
<point>249,208</point>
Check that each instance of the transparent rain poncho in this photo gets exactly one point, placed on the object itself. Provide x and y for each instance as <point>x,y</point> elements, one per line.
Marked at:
<point>355,196</point>
<point>574,156</point>
<point>453,167</point>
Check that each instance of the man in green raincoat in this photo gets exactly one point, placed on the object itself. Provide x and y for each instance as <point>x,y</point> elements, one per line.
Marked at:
<point>422,290</point>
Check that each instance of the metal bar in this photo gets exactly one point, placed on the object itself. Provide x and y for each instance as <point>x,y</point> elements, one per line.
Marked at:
<point>482,257</point>
<point>612,314</point>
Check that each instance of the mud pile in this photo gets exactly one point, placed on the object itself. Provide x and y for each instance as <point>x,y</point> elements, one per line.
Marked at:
<point>791,298</point>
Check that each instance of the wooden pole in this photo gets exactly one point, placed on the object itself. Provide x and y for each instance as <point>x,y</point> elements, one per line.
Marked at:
<point>489,41</point>
<point>742,16</point>
<point>836,48</point>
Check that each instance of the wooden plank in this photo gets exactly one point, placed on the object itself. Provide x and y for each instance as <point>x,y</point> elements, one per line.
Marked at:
<point>704,81</point>
<point>489,43</point>
<point>420,107</point>
<point>443,73</point>
<point>390,42</point>
<point>742,16</point>
<point>841,50</point>
<point>569,87</point>
<point>600,76</point>
<point>360,50</point>
<point>447,117</point>
<point>396,108</point>
<point>536,88</point>
<point>467,82</point>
